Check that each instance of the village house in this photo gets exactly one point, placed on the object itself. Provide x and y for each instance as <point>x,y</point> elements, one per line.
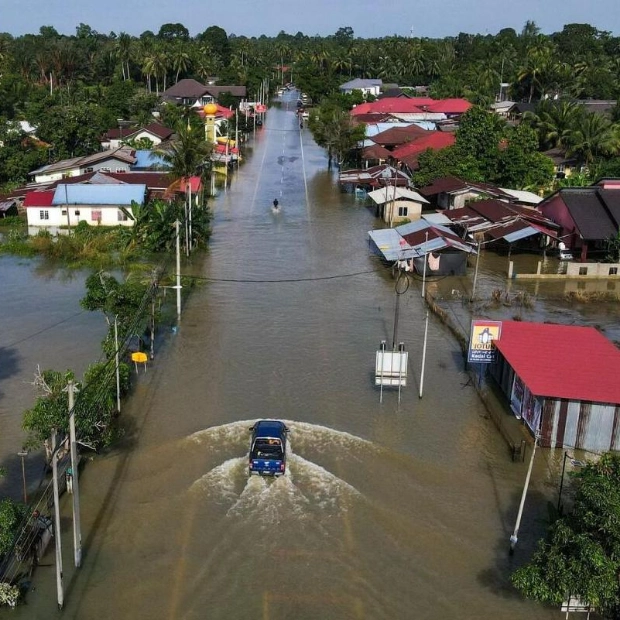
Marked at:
<point>422,246</point>
<point>505,226</point>
<point>588,217</point>
<point>115,160</point>
<point>69,204</point>
<point>562,381</point>
<point>193,94</point>
<point>117,136</point>
<point>365,86</point>
<point>397,204</point>
<point>453,193</point>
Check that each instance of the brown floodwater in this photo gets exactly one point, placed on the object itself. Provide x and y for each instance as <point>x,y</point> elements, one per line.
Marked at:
<point>388,509</point>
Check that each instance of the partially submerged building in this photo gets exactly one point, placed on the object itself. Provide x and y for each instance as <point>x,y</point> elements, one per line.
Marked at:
<point>562,381</point>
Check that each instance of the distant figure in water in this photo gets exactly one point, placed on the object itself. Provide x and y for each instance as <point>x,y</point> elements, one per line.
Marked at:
<point>276,204</point>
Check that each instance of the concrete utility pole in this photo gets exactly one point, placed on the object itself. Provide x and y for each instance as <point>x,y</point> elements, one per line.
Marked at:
<point>473,288</point>
<point>59,584</point>
<point>77,528</point>
<point>424,354</point>
<point>515,535</point>
<point>117,362</point>
<point>178,286</point>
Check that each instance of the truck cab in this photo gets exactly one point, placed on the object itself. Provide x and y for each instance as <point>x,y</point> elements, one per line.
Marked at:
<point>268,448</point>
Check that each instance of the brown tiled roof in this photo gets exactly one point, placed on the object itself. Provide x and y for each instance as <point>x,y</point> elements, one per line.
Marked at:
<point>453,184</point>
<point>376,151</point>
<point>398,135</point>
<point>186,88</point>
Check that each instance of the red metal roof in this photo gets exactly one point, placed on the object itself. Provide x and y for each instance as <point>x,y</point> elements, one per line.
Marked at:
<point>562,361</point>
<point>389,104</point>
<point>39,199</point>
<point>450,106</point>
<point>430,140</point>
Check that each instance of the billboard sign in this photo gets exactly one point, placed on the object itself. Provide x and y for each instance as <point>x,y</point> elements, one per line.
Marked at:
<point>483,333</point>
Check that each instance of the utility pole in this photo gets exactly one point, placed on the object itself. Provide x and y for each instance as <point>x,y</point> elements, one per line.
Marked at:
<point>424,354</point>
<point>178,286</point>
<point>117,362</point>
<point>77,528</point>
<point>515,535</point>
<point>425,261</point>
<point>59,583</point>
<point>473,288</point>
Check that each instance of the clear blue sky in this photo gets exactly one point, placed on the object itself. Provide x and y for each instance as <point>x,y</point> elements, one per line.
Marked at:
<point>368,18</point>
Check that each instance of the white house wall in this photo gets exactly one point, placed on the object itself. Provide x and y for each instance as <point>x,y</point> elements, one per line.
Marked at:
<point>57,176</point>
<point>57,216</point>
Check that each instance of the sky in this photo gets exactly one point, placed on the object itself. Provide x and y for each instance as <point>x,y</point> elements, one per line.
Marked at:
<point>368,18</point>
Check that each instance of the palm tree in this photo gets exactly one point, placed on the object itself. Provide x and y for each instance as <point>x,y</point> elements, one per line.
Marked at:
<point>554,121</point>
<point>181,60</point>
<point>595,136</point>
<point>189,154</point>
<point>123,53</point>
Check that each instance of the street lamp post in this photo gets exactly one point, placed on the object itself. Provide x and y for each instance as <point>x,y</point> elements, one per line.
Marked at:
<point>23,454</point>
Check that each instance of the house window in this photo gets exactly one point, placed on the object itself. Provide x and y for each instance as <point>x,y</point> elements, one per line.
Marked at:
<point>403,211</point>
<point>64,212</point>
<point>613,271</point>
<point>583,271</point>
<point>95,216</point>
<point>44,215</point>
<point>121,170</point>
<point>105,169</point>
<point>122,217</point>
<point>87,170</point>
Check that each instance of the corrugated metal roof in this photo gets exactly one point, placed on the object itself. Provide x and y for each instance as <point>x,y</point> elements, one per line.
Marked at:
<point>562,361</point>
<point>39,198</point>
<point>98,194</point>
<point>436,218</point>
<point>589,214</point>
<point>391,245</point>
<point>387,194</point>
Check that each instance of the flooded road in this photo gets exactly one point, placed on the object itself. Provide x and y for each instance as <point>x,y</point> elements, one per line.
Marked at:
<point>387,510</point>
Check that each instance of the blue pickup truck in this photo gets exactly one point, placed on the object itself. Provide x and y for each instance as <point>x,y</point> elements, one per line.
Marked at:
<point>268,448</point>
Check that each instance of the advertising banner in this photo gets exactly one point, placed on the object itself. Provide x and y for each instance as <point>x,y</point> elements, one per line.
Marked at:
<point>483,333</point>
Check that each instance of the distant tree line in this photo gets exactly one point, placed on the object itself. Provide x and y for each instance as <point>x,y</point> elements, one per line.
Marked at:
<point>73,88</point>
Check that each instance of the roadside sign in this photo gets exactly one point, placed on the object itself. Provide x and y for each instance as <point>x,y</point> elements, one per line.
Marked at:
<point>483,333</point>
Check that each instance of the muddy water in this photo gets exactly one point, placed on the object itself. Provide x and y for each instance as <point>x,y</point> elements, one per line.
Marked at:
<point>388,510</point>
<point>42,325</point>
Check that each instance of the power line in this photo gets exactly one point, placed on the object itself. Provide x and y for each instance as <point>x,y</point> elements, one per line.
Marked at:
<point>282,280</point>
<point>45,329</point>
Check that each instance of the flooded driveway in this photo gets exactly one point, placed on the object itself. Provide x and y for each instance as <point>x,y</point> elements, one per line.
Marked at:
<point>387,510</point>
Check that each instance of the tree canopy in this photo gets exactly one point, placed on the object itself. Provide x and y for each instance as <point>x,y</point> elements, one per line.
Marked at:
<point>581,554</point>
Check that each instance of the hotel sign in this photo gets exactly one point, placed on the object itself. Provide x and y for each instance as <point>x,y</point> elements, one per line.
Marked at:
<point>483,333</point>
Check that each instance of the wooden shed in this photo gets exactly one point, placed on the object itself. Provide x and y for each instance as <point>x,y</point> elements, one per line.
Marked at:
<point>562,380</point>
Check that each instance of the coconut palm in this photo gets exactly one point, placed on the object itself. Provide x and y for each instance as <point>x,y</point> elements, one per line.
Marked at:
<point>180,59</point>
<point>122,52</point>
<point>555,121</point>
<point>595,136</point>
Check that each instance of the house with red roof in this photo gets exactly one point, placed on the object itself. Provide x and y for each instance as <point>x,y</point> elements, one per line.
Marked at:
<point>562,381</point>
<point>408,154</point>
